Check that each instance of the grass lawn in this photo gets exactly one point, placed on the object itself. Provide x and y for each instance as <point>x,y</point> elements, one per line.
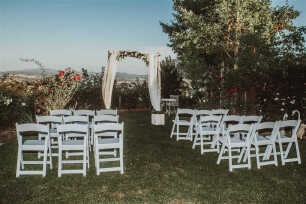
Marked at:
<point>157,170</point>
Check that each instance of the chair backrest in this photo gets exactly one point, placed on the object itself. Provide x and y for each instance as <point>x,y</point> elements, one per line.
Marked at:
<point>268,129</point>
<point>213,121</point>
<point>229,120</point>
<point>30,128</point>
<point>105,119</point>
<point>75,130</point>
<point>103,128</point>
<point>176,102</point>
<point>245,131</point>
<point>61,112</point>
<point>107,112</point>
<point>84,112</point>
<point>219,111</point>
<point>185,113</point>
<point>289,124</point>
<point>199,113</point>
<point>51,120</point>
<point>247,119</point>
<point>76,119</point>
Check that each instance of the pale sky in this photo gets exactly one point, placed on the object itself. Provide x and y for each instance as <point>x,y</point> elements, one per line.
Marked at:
<point>78,33</point>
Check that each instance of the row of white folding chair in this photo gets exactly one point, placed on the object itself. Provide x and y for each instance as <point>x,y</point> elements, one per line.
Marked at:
<point>66,112</point>
<point>108,136</point>
<point>264,134</point>
<point>28,141</point>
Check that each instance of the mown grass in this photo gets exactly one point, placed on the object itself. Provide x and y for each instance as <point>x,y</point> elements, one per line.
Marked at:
<point>157,170</point>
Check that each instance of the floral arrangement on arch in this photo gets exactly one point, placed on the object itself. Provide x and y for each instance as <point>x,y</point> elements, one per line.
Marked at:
<point>124,53</point>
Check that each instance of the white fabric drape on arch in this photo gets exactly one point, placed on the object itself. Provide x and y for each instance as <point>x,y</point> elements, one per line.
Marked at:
<point>154,81</point>
<point>109,78</point>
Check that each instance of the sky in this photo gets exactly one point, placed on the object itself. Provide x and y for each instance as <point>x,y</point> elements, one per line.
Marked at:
<point>78,33</point>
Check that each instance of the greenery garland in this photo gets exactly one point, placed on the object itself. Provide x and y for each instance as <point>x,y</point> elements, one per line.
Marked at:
<point>123,54</point>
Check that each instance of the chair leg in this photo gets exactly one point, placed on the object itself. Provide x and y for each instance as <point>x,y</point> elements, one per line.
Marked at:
<point>172,131</point>
<point>281,152</point>
<point>274,154</point>
<point>202,145</point>
<point>84,161</point>
<point>18,162</point>
<point>21,160</point>
<point>195,141</point>
<point>249,157</point>
<point>177,132</point>
<point>59,162</point>
<point>257,156</point>
<point>121,159</point>
<point>288,150</point>
<point>221,153</point>
<point>297,152</point>
<point>50,155</point>
<point>45,159</point>
<point>97,158</point>
<point>230,159</point>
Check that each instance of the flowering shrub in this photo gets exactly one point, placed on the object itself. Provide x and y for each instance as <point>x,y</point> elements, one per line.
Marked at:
<point>55,92</point>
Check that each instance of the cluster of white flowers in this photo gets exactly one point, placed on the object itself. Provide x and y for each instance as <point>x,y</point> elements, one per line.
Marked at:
<point>6,100</point>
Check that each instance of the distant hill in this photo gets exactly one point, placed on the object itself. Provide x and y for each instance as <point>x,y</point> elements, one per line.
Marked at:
<point>36,72</point>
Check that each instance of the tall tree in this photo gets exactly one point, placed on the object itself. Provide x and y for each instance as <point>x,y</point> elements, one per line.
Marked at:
<point>170,77</point>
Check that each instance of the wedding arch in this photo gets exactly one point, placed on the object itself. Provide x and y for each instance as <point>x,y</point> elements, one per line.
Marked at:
<point>152,61</point>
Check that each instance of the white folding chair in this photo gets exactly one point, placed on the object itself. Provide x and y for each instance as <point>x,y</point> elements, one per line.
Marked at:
<point>290,128</point>
<point>61,112</point>
<point>231,144</point>
<point>84,112</point>
<point>79,145</point>
<point>229,120</point>
<point>27,136</point>
<point>248,119</point>
<point>197,115</point>
<point>175,104</point>
<point>222,112</point>
<point>98,119</point>
<point>265,134</point>
<point>209,130</point>
<point>107,112</point>
<point>52,122</point>
<point>102,143</point>
<point>76,119</point>
<point>184,119</point>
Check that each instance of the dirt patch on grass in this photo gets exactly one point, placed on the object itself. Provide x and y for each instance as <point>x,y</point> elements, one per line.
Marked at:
<point>7,134</point>
<point>117,195</point>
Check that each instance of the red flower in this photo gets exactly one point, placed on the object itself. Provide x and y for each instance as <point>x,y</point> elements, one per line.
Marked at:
<point>38,111</point>
<point>59,83</point>
<point>75,77</point>
<point>227,95</point>
<point>80,77</point>
<point>61,74</point>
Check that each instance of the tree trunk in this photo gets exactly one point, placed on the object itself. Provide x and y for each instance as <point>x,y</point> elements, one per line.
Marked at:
<point>236,42</point>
